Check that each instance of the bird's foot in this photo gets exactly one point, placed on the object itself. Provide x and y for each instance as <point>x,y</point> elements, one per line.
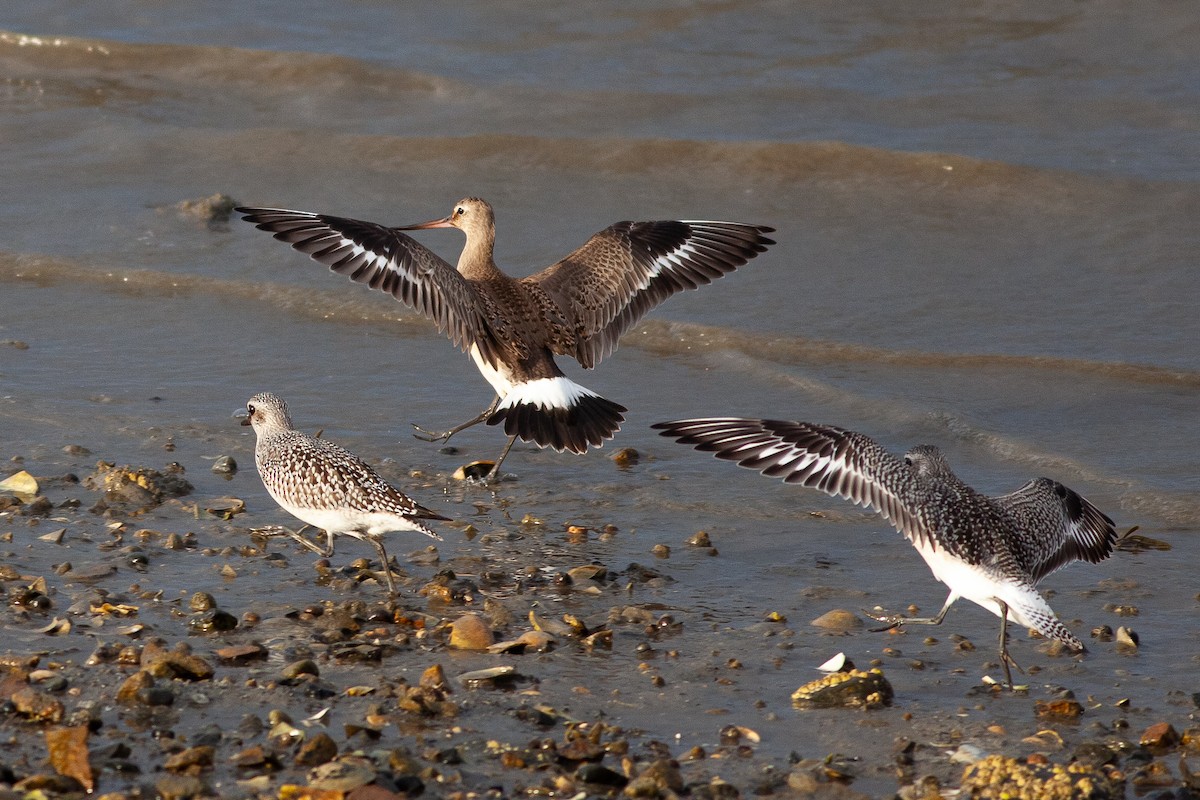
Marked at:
<point>891,621</point>
<point>429,436</point>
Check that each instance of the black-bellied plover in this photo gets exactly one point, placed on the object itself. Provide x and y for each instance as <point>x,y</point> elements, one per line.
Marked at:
<point>991,550</point>
<point>513,328</point>
<point>327,486</point>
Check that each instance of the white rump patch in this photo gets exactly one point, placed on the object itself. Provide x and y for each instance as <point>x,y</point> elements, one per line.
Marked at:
<point>546,393</point>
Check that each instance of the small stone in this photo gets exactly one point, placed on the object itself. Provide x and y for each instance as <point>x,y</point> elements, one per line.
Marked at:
<point>626,457</point>
<point>213,621</point>
<point>341,776</point>
<point>318,750</point>
<point>180,787</point>
<point>191,760</point>
<point>838,621</point>
<point>700,539</point>
<point>225,465</point>
<point>1063,708</point>
<point>1127,639</point>
<point>434,677</point>
<point>661,551</point>
<point>202,601</point>
<point>37,706</point>
<point>470,632</point>
<point>293,672</point>
<point>178,663</point>
<point>240,654</point>
<point>852,689</point>
<point>1160,735</point>
<point>601,775</point>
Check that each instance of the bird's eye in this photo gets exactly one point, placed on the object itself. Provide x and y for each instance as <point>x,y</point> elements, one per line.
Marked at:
<point>908,461</point>
<point>250,409</point>
<point>460,211</point>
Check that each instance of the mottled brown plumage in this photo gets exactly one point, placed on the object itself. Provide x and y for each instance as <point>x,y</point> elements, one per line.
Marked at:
<point>513,328</point>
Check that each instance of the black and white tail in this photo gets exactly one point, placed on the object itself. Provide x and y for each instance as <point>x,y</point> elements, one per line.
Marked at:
<point>559,413</point>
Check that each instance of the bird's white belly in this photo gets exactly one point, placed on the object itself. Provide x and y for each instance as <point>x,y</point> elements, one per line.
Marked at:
<point>964,580</point>
<point>500,379</point>
<point>349,521</point>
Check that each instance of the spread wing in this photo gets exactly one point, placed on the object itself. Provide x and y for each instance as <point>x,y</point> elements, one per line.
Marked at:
<point>835,461</point>
<point>385,259</point>
<point>625,270</point>
<point>1061,526</point>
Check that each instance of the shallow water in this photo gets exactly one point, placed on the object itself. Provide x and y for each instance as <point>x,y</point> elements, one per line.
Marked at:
<point>986,227</point>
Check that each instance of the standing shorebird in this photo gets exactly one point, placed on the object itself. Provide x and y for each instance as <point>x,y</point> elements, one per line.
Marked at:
<point>991,550</point>
<point>327,486</point>
<point>513,328</point>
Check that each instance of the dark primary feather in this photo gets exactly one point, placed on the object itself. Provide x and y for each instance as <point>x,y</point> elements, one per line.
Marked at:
<point>832,460</point>
<point>1035,530</point>
<point>387,260</point>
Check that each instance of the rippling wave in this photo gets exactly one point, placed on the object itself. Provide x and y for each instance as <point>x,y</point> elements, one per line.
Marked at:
<point>339,85</point>
<point>662,337</point>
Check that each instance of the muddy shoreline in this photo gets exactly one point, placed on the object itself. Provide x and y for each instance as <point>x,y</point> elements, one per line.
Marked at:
<point>598,669</point>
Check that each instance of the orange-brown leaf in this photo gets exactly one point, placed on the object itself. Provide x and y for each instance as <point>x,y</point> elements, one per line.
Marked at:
<point>69,754</point>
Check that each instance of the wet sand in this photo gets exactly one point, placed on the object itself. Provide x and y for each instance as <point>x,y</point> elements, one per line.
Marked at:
<point>650,665</point>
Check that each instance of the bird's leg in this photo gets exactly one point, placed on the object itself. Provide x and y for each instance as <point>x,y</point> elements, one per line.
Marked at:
<point>430,436</point>
<point>896,620</point>
<point>494,473</point>
<point>387,569</point>
<point>324,552</point>
<point>1005,658</point>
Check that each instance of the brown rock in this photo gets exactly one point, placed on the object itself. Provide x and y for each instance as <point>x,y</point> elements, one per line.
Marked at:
<point>241,654</point>
<point>1058,709</point>
<point>373,791</point>
<point>435,678</point>
<point>318,750</point>
<point>852,689</point>
<point>191,761</point>
<point>128,693</point>
<point>178,663</point>
<point>470,632</point>
<point>1160,735</point>
<point>36,706</point>
<point>180,787</point>
<point>838,621</point>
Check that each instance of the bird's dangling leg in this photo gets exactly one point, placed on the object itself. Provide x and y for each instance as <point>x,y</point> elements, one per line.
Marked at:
<point>896,620</point>
<point>430,436</point>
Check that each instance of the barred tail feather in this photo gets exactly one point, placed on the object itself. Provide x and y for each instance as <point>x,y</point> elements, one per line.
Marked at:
<point>559,413</point>
<point>1027,607</point>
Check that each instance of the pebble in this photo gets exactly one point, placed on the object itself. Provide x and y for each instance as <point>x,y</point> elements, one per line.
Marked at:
<point>1161,735</point>
<point>341,776</point>
<point>626,457</point>
<point>180,787</point>
<point>240,654</point>
<point>320,749</point>
<point>191,760</point>
<point>470,632</point>
<point>295,670</point>
<point>838,621</point>
<point>1063,708</point>
<point>852,689</point>
<point>225,465</point>
<point>1127,639</point>
<point>37,706</point>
